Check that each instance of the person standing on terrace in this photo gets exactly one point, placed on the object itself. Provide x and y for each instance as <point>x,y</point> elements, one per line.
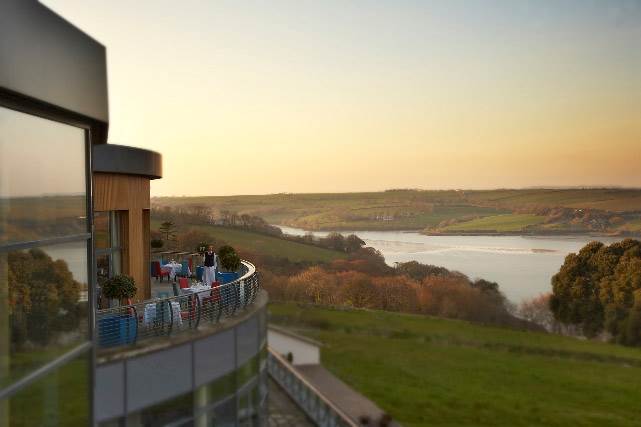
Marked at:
<point>211,262</point>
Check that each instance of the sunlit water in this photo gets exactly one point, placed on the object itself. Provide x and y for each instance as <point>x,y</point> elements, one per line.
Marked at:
<point>522,265</point>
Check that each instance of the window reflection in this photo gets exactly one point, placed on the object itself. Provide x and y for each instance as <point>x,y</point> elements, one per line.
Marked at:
<point>101,230</point>
<point>60,398</point>
<point>46,313</point>
<point>174,412</point>
<point>42,178</point>
<point>107,229</point>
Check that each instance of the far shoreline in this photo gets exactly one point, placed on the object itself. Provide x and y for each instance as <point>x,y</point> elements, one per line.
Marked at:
<point>560,233</point>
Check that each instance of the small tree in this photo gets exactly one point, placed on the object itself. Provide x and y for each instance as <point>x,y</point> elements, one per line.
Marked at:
<point>168,230</point>
<point>120,287</point>
<point>156,243</point>
<point>229,259</point>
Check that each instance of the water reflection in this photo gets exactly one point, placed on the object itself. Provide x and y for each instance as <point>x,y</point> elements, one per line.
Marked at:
<point>522,265</point>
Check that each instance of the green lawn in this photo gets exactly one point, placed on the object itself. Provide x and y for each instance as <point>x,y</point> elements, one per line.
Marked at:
<point>266,245</point>
<point>437,372</point>
<point>497,223</point>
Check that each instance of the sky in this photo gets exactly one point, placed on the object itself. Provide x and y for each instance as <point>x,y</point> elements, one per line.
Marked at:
<point>255,97</point>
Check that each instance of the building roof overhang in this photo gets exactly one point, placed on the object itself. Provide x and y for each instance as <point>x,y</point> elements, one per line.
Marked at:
<point>122,159</point>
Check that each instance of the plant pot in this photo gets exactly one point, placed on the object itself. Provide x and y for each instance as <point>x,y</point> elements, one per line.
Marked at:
<point>226,277</point>
<point>117,329</point>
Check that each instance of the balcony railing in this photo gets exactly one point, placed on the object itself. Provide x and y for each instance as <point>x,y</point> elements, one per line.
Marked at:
<point>129,325</point>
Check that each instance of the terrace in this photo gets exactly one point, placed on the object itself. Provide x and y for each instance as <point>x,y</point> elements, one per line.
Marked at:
<point>203,354</point>
<point>144,324</point>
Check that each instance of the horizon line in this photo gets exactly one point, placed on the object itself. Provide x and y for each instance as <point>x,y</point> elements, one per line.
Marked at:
<point>576,187</point>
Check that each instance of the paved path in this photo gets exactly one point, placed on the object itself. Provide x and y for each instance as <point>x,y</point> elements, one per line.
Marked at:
<point>283,412</point>
<point>354,404</point>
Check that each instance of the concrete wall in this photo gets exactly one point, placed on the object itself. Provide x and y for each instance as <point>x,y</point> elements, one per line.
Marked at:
<point>304,351</point>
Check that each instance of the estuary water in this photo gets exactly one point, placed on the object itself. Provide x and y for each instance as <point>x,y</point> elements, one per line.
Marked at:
<point>521,265</point>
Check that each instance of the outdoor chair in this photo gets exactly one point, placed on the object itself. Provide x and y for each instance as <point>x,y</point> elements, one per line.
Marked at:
<point>211,304</point>
<point>157,272</point>
<point>185,269</point>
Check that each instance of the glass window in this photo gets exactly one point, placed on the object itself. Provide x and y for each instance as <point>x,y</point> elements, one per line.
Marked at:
<point>60,398</point>
<point>247,372</point>
<point>101,230</point>
<point>174,412</point>
<point>107,241</point>
<point>225,414</point>
<point>219,389</point>
<point>46,305</point>
<point>42,178</point>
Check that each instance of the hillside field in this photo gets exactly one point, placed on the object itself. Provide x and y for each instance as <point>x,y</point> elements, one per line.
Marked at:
<point>264,245</point>
<point>418,209</point>
<point>505,223</point>
<point>435,372</point>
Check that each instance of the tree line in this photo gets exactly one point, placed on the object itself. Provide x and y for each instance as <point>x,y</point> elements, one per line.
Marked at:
<point>181,217</point>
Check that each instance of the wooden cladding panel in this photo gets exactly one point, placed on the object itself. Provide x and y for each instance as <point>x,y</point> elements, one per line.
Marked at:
<point>114,192</point>
<point>137,252</point>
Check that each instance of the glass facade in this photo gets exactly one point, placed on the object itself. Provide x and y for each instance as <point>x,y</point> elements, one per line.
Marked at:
<point>45,246</point>
<point>237,398</point>
<point>108,243</point>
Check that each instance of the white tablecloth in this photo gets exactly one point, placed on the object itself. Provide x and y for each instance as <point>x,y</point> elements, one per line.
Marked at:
<point>173,268</point>
<point>202,291</point>
<point>149,316</point>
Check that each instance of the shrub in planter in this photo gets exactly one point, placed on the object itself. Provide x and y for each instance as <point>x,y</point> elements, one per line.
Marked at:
<point>120,287</point>
<point>229,259</point>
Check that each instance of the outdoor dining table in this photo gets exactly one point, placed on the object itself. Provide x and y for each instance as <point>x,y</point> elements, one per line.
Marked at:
<point>151,316</point>
<point>173,268</point>
<point>200,290</point>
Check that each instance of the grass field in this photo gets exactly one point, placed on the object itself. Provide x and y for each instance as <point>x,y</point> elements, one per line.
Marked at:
<point>634,226</point>
<point>436,372</point>
<point>405,209</point>
<point>496,224</point>
<point>265,245</point>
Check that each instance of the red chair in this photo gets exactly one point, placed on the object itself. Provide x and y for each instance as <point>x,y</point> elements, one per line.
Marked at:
<point>157,271</point>
<point>215,291</point>
<point>214,296</point>
<point>183,282</point>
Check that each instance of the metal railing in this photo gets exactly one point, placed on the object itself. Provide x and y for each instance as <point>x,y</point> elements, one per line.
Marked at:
<point>317,407</point>
<point>130,324</point>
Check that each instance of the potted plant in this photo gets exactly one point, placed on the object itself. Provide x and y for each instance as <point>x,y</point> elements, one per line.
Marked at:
<point>120,288</point>
<point>120,327</point>
<point>229,264</point>
<point>229,259</point>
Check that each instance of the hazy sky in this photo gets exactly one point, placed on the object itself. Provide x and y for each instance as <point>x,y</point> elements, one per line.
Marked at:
<point>300,96</point>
